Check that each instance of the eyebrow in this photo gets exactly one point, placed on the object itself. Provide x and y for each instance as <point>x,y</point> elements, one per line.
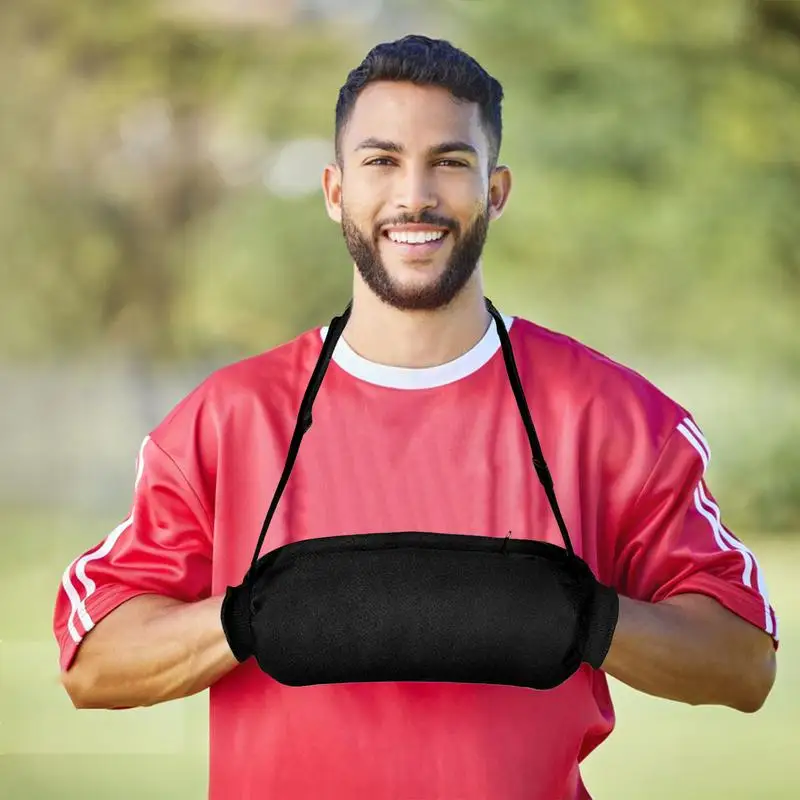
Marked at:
<point>437,150</point>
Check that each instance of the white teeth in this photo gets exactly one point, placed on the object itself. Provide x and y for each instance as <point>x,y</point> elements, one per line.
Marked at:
<point>415,237</point>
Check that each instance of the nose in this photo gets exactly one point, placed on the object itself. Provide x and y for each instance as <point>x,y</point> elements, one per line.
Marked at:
<point>416,191</point>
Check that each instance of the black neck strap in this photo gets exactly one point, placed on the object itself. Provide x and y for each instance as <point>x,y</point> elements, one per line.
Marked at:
<point>304,421</point>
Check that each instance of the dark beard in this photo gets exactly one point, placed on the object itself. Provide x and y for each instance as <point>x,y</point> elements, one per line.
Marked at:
<point>460,267</point>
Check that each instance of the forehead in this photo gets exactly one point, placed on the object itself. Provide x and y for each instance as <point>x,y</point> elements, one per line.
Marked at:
<point>413,116</point>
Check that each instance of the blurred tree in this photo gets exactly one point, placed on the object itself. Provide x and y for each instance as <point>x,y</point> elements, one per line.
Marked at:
<point>656,147</point>
<point>108,162</point>
<point>657,154</point>
<point>145,205</point>
<point>640,133</point>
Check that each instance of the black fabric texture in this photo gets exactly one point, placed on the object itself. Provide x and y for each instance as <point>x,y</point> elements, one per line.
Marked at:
<point>425,607</point>
<point>236,617</point>
<point>599,625</point>
<point>418,606</point>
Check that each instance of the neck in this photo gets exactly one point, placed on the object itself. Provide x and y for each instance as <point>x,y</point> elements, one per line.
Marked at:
<point>386,335</point>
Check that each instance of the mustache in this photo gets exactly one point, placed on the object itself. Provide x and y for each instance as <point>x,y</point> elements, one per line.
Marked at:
<point>423,218</point>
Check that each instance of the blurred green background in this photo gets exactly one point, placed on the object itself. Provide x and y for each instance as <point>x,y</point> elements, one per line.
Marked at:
<point>160,215</point>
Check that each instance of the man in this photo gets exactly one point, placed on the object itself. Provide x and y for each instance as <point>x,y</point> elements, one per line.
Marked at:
<point>415,428</point>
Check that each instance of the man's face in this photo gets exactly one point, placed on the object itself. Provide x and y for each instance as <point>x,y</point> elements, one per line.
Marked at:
<point>413,192</point>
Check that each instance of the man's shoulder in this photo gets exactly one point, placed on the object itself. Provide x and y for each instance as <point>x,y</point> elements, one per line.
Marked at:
<point>278,372</point>
<point>282,362</point>
<point>586,375</point>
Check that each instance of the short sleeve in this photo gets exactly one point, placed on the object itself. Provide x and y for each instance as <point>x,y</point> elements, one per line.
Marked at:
<point>674,541</point>
<point>163,547</point>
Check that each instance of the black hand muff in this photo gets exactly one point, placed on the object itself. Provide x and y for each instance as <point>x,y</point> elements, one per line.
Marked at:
<point>416,606</point>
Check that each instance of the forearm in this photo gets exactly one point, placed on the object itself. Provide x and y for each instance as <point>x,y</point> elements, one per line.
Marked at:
<point>691,650</point>
<point>149,650</point>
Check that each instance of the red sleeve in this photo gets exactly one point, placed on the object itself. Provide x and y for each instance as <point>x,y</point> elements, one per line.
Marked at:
<point>162,547</point>
<point>674,540</point>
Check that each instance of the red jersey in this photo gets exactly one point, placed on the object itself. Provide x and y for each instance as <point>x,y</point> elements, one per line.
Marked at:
<point>439,449</point>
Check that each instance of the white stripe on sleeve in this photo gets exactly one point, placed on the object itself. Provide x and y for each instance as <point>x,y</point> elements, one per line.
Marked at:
<point>75,601</point>
<point>692,426</point>
<point>89,586</point>
<point>704,452</point>
<point>725,540</point>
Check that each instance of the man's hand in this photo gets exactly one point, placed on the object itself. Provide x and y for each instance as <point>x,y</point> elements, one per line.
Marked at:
<point>691,649</point>
<point>149,650</point>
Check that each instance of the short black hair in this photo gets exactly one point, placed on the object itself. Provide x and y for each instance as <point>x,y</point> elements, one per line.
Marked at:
<point>427,62</point>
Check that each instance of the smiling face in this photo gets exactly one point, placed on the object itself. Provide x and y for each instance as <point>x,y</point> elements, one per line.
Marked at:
<point>414,192</point>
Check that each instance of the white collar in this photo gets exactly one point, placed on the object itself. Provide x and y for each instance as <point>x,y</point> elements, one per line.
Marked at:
<point>418,377</point>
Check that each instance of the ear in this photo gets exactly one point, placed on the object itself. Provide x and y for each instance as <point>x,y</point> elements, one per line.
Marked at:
<point>332,189</point>
<point>499,190</point>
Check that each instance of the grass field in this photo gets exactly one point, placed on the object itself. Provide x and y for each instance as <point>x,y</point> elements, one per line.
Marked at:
<point>49,751</point>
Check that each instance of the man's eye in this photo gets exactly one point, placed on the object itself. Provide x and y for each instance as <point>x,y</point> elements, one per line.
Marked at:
<point>383,161</point>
